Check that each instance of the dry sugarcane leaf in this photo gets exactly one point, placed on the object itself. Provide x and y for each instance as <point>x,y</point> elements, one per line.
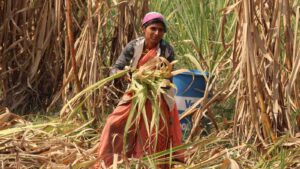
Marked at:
<point>9,119</point>
<point>230,8</point>
<point>234,164</point>
<point>176,72</point>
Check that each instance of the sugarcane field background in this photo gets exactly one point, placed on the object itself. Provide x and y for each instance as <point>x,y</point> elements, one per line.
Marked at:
<point>56,92</point>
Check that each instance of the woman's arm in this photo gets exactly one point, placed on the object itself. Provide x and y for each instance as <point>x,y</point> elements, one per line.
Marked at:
<point>167,51</point>
<point>124,58</point>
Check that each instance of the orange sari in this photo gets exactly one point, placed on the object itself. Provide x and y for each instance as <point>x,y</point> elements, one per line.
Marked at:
<point>111,140</point>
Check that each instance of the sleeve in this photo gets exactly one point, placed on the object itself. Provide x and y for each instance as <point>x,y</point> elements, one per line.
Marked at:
<point>125,56</point>
<point>171,57</point>
<point>167,51</point>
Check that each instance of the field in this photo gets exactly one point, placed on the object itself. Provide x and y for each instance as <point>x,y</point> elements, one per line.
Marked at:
<point>56,92</point>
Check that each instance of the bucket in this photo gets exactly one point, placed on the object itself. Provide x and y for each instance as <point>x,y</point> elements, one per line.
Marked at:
<point>190,87</point>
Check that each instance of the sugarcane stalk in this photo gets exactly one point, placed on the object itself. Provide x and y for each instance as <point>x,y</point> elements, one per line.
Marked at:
<point>71,44</point>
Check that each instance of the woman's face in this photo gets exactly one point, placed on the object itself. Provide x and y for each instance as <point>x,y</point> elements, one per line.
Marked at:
<point>154,33</point>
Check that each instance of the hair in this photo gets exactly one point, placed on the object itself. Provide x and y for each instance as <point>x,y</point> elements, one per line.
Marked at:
<point>145,25</point>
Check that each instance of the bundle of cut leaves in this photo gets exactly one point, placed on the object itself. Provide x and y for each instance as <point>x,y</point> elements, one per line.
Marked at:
<point>150,82</point>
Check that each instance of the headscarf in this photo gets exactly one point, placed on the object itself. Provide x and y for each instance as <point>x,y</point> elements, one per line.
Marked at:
<point>154,16</point>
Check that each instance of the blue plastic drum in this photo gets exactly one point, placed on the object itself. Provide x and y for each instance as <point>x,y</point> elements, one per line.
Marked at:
<point>190,87</point>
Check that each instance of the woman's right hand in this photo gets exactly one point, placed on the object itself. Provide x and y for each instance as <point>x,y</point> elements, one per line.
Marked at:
<point>126,77</point>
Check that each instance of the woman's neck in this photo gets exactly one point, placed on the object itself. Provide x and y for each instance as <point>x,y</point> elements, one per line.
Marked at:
<point>149,46</point>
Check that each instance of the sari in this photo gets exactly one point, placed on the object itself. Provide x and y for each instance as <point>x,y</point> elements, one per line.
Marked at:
<point>139,143</point>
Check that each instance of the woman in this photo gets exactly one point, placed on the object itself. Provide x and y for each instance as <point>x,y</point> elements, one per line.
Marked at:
<point>135,54</point>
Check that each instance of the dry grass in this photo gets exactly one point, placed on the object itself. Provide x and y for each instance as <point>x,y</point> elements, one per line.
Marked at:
<point>54,144</point>
<point>48,145</point>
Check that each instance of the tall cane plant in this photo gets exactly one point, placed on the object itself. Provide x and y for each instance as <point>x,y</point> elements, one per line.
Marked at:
<point>266,50</point>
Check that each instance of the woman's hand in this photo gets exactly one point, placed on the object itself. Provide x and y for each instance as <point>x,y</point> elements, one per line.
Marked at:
<point>125,78</point>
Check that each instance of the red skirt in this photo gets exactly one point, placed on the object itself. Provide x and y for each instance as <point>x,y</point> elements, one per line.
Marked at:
<point>139,143</point>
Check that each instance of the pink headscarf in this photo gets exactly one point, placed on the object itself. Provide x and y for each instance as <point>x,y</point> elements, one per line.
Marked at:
<point>154,15</point>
